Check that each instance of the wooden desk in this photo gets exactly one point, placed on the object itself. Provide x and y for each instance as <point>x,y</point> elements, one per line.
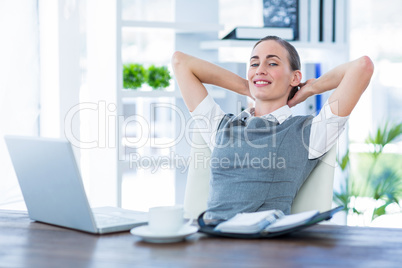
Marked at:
<point>24,243</point>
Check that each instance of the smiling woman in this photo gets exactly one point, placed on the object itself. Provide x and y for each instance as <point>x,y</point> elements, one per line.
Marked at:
<point>269,127</point>
<point>292,58</point>
<point>273,75</point>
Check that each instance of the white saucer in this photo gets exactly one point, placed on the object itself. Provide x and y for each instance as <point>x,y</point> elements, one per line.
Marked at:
<point>148,236</point>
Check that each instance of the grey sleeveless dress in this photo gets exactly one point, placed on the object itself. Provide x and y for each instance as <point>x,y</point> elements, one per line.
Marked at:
<point>258,165</point>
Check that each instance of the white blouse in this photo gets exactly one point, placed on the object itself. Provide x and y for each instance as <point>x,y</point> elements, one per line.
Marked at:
<point>325,129</point>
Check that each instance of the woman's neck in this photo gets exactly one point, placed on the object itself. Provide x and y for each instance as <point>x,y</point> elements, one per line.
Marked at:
<point>264,107</point>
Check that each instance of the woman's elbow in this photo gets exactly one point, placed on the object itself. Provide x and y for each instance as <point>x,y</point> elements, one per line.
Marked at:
<point>366,65</point>
<point>178,58</point>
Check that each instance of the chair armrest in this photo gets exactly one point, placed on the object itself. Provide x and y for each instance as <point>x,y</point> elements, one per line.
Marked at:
<point>317,191</point>
<point>197,186</point>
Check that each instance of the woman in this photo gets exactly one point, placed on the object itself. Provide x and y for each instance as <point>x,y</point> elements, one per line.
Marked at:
<point>261,157</point>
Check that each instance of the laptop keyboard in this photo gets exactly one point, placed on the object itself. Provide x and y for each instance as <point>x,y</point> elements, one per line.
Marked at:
<point>109,220</point>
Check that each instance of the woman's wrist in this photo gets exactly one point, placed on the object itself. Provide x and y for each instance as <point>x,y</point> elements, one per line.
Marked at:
<point>314,88</point>
<point>246,89</point>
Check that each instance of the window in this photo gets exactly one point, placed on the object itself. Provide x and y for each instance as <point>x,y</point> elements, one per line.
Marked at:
<point>148,176</point>
<point>19,87</point>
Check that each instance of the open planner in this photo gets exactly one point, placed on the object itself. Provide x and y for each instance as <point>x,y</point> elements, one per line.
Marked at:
<point>264,224</point>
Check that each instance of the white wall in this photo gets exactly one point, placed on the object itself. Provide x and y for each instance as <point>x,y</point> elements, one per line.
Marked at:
<point>19,87</point>
<point>98,125</point>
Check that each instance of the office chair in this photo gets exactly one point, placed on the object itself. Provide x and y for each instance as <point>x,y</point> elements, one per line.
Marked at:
<point>315,194</point>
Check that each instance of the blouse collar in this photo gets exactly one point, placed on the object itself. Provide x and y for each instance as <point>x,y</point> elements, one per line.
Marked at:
<point>279,115</point>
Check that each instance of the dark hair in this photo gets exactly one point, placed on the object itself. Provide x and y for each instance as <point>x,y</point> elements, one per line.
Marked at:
<point>293,56</point>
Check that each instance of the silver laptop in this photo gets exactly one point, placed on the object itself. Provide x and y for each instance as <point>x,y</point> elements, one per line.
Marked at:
<point>53,191</point>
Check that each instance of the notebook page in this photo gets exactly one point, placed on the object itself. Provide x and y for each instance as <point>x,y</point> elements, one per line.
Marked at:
<point>290,221</point>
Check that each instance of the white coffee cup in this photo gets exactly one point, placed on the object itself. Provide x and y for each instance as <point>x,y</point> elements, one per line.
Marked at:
<point>166,220</point>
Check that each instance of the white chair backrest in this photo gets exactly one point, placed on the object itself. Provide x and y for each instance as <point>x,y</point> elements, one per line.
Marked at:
<point>315,193</point>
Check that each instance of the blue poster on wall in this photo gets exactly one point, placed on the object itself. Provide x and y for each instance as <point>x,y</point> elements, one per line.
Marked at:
<point>314,103</point>
<point>318,97</point>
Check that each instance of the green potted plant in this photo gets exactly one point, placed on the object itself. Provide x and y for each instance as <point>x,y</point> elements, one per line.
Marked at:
<point>380,183</point>
<point>158,77</point>
<point>134,75</point>
<point>385,185</point>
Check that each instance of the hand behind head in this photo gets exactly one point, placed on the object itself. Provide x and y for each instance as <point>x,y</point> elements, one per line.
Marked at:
<point>303,93</point>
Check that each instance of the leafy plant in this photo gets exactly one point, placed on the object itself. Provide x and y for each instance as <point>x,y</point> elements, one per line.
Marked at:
<point>343,196</point>
<point>158,77</point>
<point>134,75</point>
<point>384,135</point>
<point>385,186</point>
